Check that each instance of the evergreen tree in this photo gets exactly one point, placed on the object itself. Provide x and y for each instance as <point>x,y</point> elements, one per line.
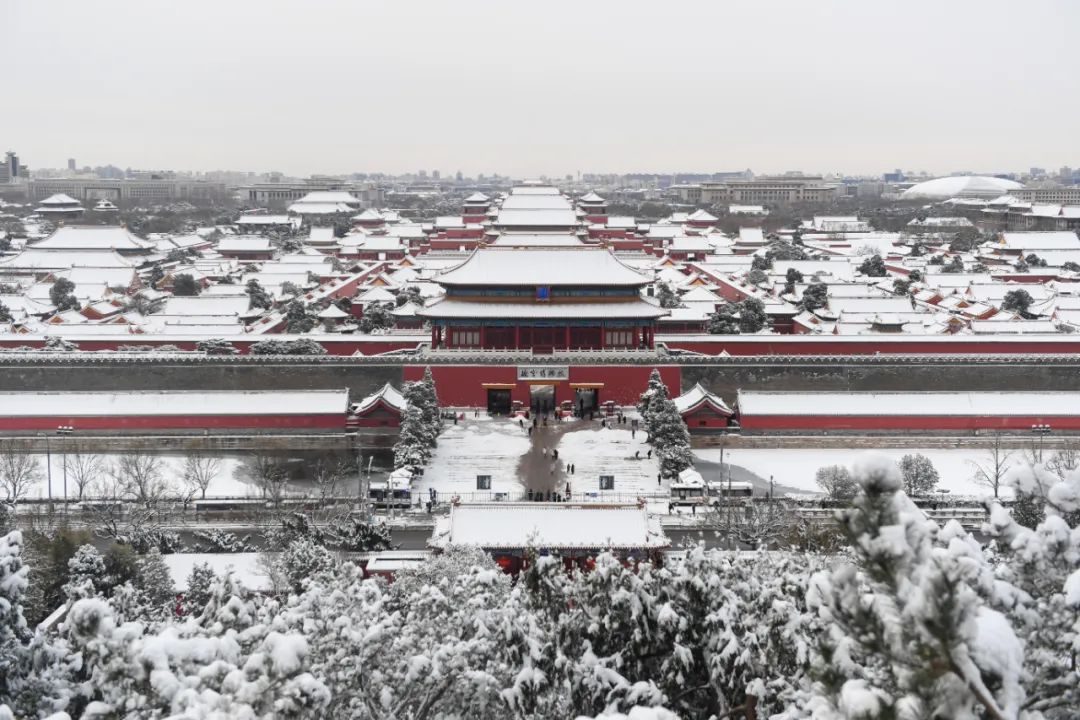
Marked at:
<point>919,475</point>
<point>376,317</point>
<point>668,298</point>
<point>654,392</point>
<point>154,583</point>
<point>761,262</point>
<point>752,317</point>
<point>301,346</point>
<point>908,631</point>
<point>156,275</point>
<point>258,297</point>
<point>86,574</point>
<point>413,448</point>
<point>184,285</point>
<point>62,295</point>
<point>1018,301</point>
<point>351,532</point>
<point>873,266</point>
<point>304,560</point>
<point>956,265</point>
<point>791,278</point>
<point>298,319</point>
<point>200,583</point>
<point>5,314</point>
<point>408,294</point>
<point>13,630</point>
<point>216,346</point>
<point>815,296</point>
<point>423,395</point>
<point>670,437</point>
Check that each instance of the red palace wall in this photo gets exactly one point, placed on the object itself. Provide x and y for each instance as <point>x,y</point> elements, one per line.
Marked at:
<point>884,346</point>
<point>334,346</point>
<point>705,418</point>
<point>818,423</point>
<point>177,422</point>
<point>463,385</point>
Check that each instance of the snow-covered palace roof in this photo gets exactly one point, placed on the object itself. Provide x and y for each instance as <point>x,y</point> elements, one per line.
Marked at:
<point>174,402</point>
<point>918,404</point>
<point>697,396</point>
<point>564,526</point>
<point>632,309</point>
<point>387,394</point>
<point>543,266</point>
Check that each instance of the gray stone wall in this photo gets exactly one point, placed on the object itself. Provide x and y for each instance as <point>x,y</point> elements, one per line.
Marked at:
<point>956,375</point>
<point>360,379</point>
<point>722,376</point>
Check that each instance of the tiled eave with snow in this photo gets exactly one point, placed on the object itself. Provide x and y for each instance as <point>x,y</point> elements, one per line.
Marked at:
<point>447,309</point>
<point>696,397</point>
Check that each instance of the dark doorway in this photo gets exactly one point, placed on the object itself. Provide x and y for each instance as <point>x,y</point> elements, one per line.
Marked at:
<point>498,402</point>
<point>542,398</point>
<point>586,399</point>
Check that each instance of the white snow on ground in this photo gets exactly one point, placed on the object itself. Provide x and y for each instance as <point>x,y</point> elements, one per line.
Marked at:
<point>475,446</point>
<point>610,451</point>
<point>224,484</point>
<point>796,468</point>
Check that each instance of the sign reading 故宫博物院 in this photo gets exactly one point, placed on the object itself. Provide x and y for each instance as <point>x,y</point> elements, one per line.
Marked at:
<point>543,372</point>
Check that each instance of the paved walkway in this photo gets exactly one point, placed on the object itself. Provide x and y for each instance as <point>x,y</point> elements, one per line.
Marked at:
<point>538,470</point>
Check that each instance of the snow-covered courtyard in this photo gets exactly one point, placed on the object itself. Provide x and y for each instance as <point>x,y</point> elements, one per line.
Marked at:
<point>517,462</point>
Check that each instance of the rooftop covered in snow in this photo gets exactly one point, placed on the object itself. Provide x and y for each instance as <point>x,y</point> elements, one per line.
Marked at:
<point>543,266</point>
<point>552,526</point>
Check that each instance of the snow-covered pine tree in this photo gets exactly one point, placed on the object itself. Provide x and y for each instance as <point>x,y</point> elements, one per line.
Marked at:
<point>352,532</point>
<point>413,448</point>
<point>655,389</point>
<point>1038,584</point>
<point>907,631</point>
<point>422,394</point>
<point>200,583</point>
<point>304,559</point>
<point>86,574</point>
<point>13,630</point>
<point>669,436</point>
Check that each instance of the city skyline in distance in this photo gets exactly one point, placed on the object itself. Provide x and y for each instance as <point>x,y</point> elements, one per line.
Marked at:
<point>548,90</point>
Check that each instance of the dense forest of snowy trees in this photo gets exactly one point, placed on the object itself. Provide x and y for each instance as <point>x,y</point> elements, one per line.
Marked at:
<point>912,620</point>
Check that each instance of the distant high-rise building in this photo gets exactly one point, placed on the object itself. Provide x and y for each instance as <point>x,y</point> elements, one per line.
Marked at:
<point>71,164</point>
<point>10,169</point>
<point>435,174</point>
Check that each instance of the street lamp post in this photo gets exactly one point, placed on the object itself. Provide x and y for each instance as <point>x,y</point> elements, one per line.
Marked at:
<point>64,431</point>
<point>48,469</point>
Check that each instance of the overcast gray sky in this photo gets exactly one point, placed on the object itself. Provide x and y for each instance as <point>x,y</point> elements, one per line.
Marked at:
<point>546,86</point>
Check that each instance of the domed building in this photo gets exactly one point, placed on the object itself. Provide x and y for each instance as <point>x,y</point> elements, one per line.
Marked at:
<point>965,186</point>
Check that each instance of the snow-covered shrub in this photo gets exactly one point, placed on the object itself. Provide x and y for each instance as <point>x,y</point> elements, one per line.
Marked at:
<point>909,630</point>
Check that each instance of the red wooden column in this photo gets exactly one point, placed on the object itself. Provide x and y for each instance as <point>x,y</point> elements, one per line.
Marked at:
<point>434,336</point>
<point>602,333</point>
<point>637,338</point>
<point>483,334</point>
<point>567,336</point>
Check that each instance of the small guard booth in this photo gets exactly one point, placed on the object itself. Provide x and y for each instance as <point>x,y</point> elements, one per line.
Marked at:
<point>576,532</point>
